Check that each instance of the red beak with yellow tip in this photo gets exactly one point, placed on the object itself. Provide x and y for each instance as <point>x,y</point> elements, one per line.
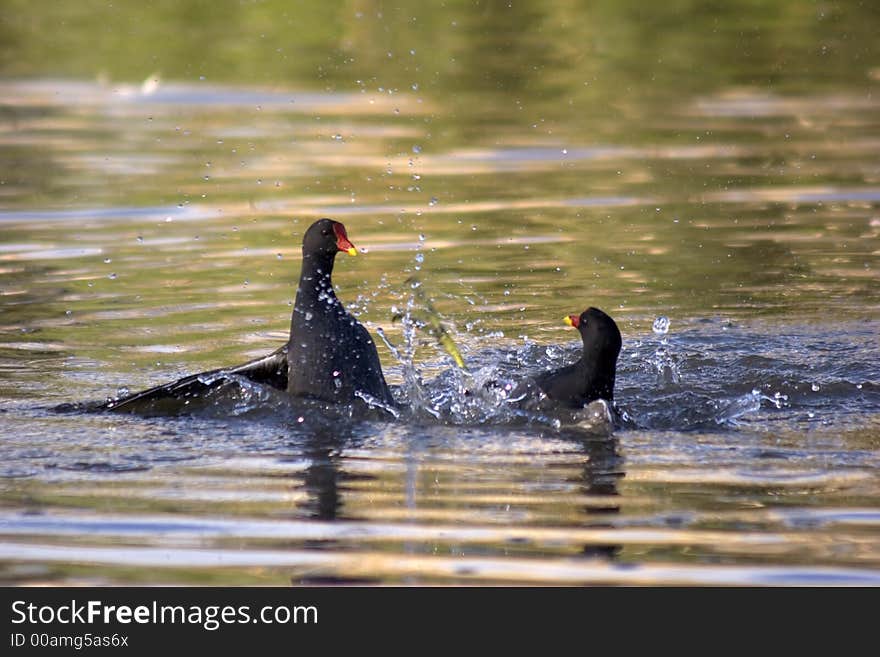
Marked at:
<point>342,241</point>
<point>573,320</point>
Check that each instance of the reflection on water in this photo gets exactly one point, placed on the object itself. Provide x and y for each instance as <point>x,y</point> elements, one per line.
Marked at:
<point>150,228</point>
<point>781,490</point>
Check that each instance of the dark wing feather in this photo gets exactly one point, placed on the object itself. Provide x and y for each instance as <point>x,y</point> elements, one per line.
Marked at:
<point>268,370</point>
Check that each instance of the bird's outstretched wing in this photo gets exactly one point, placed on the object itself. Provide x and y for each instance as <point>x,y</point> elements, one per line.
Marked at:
<point>268,370</point>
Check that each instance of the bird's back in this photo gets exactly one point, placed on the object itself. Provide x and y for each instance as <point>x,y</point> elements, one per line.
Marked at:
<point>336,359</point>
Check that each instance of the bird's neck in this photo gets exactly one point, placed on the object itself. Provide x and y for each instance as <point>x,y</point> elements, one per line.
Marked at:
<point>597,371</point>
<point>315,286</point>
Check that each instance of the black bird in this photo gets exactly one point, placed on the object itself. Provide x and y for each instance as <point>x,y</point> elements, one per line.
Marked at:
<point>592,377</point>
<point>329,356</point>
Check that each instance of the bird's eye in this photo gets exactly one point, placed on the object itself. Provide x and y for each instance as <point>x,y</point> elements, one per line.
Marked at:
<point>325,232</point>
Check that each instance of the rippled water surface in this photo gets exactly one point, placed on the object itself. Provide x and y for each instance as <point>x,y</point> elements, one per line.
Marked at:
<point>520,167</point>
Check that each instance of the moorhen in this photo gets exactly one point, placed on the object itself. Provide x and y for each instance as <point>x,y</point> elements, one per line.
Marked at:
<point>589,379</point>
<point>330,356</point>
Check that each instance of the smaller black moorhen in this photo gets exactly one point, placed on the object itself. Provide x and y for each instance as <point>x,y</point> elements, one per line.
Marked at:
<point>592,377</point>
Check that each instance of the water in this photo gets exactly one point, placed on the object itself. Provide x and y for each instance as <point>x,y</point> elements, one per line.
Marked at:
<point>150,228</point>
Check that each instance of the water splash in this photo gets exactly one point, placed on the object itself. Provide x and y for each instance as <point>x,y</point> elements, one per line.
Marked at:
<point>461,396</point>
<point>728,411</point>
<point>731,410</point>
<point>413,389</point>
<point>661,325</point>
<point>665,362</point>
<point>372,402</point>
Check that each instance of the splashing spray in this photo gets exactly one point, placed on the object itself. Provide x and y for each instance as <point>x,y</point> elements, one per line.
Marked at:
<point>664,361</point>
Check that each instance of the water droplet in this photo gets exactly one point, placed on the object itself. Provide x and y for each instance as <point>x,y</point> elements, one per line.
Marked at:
<point>507,293</point>
<point>68,312</point>
<point>140,239</point>
<point>337,137</point>
<point>336,373</point>
<point>300,419</point>
<point>661,325</point>
<point>308,316</point>
<point>814,387</point>
<point>415,86</point>
<point>107,261</point>
<point>416,149</point>
<point>278,255</point>
<point>112,277</point>
<point>434,201</point>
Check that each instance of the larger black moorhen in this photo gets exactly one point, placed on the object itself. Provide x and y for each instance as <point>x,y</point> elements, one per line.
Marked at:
<point>590,378</point>
<point>329,356</point>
